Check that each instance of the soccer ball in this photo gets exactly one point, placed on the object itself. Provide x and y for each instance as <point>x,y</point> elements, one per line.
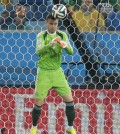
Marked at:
<point>59,11</point>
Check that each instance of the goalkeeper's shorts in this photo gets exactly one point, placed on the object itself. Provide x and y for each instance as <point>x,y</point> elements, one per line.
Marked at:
<point>47,79</point>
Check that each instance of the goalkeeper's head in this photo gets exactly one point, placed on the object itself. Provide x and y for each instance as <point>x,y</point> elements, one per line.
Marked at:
<point>51,23</point>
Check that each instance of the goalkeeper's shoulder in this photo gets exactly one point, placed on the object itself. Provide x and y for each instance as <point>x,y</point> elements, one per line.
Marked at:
<point>64,35</point>
<point>62,32</point>
<point>41,34</point>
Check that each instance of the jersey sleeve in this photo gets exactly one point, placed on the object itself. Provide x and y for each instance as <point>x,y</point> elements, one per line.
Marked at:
<point>41,48</point>
<point>69,48</point>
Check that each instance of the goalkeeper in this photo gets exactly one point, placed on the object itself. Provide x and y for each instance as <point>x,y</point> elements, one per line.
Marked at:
<point>49,47</point>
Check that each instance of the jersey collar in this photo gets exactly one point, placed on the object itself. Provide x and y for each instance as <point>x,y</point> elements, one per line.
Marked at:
<point>51,33</point>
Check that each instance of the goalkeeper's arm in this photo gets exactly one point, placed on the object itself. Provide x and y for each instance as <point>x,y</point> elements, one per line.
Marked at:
<point>69,49</point>
<point>66,45</point>
<point>41,48</point>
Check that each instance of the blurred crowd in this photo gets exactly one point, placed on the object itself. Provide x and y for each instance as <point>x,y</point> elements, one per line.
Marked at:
<point>87,14</point>
<point>14,17</point>
<point>90,15</point>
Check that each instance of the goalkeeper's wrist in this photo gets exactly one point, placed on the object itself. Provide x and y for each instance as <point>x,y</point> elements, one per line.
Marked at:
<point>63,44</point>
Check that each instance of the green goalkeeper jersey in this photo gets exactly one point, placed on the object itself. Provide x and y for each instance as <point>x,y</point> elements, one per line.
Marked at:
<point>50,58</point>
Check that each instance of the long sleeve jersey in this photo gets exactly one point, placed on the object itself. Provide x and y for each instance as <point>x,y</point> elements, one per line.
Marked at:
<point>50,58</point>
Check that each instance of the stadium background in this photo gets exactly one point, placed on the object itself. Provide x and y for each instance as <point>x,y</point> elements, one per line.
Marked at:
<point>19,61</point>
<point>95,107</point>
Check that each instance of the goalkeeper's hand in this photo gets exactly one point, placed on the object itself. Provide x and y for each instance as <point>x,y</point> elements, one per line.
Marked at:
<point>55,41</point>
<point>63,44</point>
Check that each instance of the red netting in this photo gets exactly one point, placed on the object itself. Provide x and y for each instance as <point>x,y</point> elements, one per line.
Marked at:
<point>96,111</point>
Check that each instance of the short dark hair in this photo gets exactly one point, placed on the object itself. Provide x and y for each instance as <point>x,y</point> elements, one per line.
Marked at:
<point>49,16</point>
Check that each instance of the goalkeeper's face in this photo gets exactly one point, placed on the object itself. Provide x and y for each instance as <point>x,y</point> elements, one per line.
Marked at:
<point>52,25</point>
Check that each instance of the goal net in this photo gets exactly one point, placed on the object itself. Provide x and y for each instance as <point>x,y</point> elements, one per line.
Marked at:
<point>93,71</point>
